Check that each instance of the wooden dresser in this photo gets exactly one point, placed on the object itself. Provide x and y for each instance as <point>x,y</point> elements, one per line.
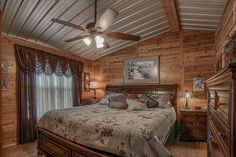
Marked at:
<point>193,125</point>
<point>222,113</point>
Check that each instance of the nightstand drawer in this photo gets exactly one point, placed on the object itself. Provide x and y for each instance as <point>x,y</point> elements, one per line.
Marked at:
<point>193,125</point>
<point>194,117</point>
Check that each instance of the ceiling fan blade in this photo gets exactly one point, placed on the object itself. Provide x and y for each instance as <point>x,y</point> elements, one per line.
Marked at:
<point>77,38</point>
<point>122,36</point>
<point>106,20</point>
<point>68,24</point>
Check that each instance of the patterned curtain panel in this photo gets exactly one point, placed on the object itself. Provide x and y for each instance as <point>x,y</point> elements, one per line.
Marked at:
<point>34,65</point>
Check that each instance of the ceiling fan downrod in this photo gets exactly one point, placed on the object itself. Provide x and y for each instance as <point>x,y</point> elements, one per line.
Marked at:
<point>95,14</point>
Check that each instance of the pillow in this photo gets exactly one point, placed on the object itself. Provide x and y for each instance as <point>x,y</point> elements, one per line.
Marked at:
<point>135,105</point>
<point>132,96</point>
<point>118,101</point>
<point>105,101</point>
<point>164,100</point>
<point>152,102</point>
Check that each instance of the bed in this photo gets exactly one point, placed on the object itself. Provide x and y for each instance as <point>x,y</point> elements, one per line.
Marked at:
<point>98,131</point>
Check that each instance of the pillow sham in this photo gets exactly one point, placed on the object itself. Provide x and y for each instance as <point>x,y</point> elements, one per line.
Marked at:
<point>135,105</point>
<point>163,99</point>
<point>118,101</point>
<point>152,102</point>
<point>105,101</point>
<point>131,96</point>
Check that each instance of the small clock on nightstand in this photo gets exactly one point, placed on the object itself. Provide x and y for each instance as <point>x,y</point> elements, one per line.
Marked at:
<point>193,124</point>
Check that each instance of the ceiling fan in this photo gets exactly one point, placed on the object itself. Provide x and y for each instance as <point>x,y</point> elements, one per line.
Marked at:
<point>97,30</point>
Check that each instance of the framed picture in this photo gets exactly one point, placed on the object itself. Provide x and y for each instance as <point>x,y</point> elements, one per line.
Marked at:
<point>141,70</point>
<point>4,67</point>
<point>86,87</point>
<point>86,77</point>
<point>4,81</point>
<point>198,84</point>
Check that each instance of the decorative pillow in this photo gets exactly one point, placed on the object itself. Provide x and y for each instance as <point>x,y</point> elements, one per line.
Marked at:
<point>152,102</point>
<point>105,101</point>
<point>118,102</point>
<point>135,105</point>
<point>164,100</point>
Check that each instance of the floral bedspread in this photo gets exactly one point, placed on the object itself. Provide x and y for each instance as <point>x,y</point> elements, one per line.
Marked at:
<point>128,134</point>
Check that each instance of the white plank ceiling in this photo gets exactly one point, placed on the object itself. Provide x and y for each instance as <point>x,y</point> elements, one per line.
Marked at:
<point>200,14</point>
<point>31,20</point>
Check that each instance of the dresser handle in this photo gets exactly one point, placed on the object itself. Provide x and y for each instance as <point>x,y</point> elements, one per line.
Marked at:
<point>210,139</point>
<point>221,134</point>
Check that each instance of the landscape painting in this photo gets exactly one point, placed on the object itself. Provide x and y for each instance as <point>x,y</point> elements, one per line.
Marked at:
<point>141,70</point>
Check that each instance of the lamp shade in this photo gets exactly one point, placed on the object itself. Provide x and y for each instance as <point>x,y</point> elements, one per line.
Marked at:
<point>93,85</point>
<point>187,94</point>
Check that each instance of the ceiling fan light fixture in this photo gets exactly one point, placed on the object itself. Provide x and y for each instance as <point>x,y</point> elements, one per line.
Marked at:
<point>99,39</point>
<point>87,41</point>
<point>99,45</point>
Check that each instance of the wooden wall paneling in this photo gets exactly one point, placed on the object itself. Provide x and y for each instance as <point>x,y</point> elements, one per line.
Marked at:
<point>226,27</point>
<point>199,60</point>
<point>0,89</point>
<point>9,102</point>
<point>183,56</point>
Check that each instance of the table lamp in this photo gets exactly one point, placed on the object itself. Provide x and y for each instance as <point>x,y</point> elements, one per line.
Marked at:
<point>94,86</point>
<point>186,94</point>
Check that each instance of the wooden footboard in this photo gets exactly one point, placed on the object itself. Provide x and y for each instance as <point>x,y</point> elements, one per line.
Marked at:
<point>52,145</point>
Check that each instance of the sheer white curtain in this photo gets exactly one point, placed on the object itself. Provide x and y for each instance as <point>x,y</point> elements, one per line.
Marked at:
<point>52,92</point>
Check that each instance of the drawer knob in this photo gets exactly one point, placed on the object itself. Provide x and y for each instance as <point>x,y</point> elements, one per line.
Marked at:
<point>210,139</point>
<point>221,134</point>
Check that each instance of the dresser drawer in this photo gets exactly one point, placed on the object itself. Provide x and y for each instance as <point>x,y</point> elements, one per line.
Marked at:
<point>220,134</point>
<point>75,154</point>
<point>53,148</point>
<point>221,107</point>
<point>214,149</point>
<point>222,131</point>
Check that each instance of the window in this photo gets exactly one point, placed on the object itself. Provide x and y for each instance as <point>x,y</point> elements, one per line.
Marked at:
<point>52,92</point>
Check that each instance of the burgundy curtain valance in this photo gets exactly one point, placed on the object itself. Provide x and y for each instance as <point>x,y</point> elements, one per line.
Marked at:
<point>31,60</point>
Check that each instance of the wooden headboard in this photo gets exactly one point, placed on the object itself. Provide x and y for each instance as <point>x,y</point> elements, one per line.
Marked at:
<point>170,89</point>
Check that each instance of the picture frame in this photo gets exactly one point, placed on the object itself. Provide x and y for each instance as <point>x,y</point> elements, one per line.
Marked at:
<point>198,84</point>
<point>86,87</point>
<point>141,70</point>
<point>86,77</point>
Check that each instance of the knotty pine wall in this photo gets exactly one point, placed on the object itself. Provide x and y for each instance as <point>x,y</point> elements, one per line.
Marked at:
<point>227,26</point>
<point>9,104</point>
<point>183,56</point>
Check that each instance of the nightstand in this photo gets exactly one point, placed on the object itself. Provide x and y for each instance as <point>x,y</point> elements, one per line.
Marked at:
<point>193,125</point>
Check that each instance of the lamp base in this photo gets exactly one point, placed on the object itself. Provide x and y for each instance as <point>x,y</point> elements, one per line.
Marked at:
<point>187,108</point>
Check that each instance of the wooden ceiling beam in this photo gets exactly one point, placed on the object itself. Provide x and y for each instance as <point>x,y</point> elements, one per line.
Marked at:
<point>171,14</point>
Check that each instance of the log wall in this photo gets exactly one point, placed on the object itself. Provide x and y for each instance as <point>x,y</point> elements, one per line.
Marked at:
<point>227,26</point>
